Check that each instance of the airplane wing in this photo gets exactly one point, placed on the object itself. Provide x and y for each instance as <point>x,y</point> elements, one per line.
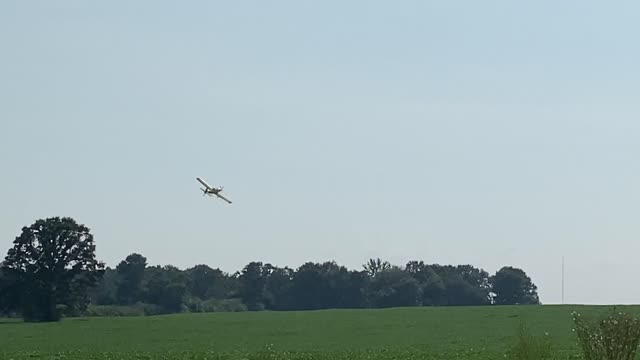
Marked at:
<point>203,183</point>
<point>223,198</point>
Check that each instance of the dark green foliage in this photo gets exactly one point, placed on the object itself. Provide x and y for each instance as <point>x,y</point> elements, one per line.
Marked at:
<point>431,284</point>
<point>253,280</point>
<point>106,291</point>
<point>207,283</point>
<point>130,275</point>
<point>53,263</point>
<point>9,295</point>
<point>512,286</point>
<point>394,287</point>
<point>464,285</point>
<point>278,294</point>
<point>4,289</point>
<point>354,290</point>
<point>115,310</point>
<point>374,266</point>
<point>310,289</point>
<point>313,286</point>
<point>165,286</point>
<point>225,305</point>
<point>478,278</point>
<point>325,286</point>
<point>259,286</point>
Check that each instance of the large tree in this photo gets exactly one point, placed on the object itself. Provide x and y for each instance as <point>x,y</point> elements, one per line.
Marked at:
<point>374,266</point>
<point>8,301</point>
<point>394,287</point>
<point>165,286</point>
<point>325,285</point>
<point>464,284</point>
<point>105,292</point>
<point>206,283</point>
<point>512,286</point>
<point>433,289</point>
<point>130,272</point>
<point>54,263</point>
<point>278,289</point>
<point>3,293</point>
<point>253,281</point>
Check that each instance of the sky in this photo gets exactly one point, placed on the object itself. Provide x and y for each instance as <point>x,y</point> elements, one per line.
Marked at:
<point>493,133</point>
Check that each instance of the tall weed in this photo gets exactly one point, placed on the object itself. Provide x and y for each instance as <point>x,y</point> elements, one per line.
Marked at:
<point>529,347</point>
<point>614,337</point>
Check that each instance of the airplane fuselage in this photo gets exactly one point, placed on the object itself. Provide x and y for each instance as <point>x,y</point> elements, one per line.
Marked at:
<point>209,190</point>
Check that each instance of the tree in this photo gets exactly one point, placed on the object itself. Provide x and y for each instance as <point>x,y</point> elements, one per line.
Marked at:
<point>433,289</point>
<point>474,276</point>
<point>105,293</point>
<point>352,287</point>
<point>206,283</point>
<point>374,266</point>
<point>4,307</point>
<point>8,300</point>
<point>54,263</point>
<point>278,294</point>
<point>130,272</point>
<point>253,280</point>
<point>166,287</point>
<point>325,285</point>
<point>394,287</point>
<point>460,292</point>
<point>464,284</point>
<point>309,287</point>
<point>434,292</point>
<point>512,286</point>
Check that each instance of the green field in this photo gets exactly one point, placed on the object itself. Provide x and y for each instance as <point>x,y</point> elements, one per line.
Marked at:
<point>427,333</point>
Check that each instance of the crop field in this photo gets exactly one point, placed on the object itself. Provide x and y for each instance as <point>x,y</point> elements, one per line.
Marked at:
<point>411,333</point>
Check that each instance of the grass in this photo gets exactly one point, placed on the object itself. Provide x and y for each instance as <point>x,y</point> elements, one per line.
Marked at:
<point>420,333</point>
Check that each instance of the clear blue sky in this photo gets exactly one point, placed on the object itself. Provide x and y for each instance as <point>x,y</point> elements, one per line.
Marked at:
<point>456,132</point>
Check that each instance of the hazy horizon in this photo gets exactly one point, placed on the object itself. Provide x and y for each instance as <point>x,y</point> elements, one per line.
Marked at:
<point>492,134</point>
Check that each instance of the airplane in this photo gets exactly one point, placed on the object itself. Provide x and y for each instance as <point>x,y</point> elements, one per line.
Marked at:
<point>212,190</point>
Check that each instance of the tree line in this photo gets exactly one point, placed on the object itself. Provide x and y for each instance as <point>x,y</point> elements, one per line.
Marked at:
<point>52,271</point>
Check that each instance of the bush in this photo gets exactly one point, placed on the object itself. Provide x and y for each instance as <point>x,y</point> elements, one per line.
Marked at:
<point>615,337</point>
<point>153,309</point>
<point>67,311</point>
<point>529,347</point>
<point>139,309</point>
<point>225,305</point>
<point>114,310</point>
<point>142,309</point>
